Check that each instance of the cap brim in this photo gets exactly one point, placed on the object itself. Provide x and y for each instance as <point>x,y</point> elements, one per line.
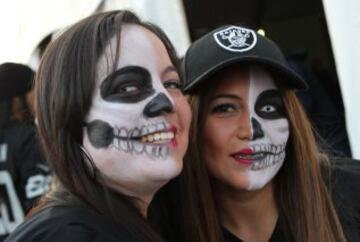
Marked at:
<point>291,78</point>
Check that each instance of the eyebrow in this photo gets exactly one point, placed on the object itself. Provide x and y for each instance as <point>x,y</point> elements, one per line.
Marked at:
<point>169,69</point>
<point>232,96</point>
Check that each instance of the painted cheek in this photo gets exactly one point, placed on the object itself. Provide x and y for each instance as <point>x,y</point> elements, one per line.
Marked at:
<point>277,130</point>
<point>102,160</point>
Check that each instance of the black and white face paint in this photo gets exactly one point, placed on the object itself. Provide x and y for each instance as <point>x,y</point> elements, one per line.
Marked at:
<point>130,91</point>
<point>270,128</point>
<point>126,99</point>
<point>133,129</point>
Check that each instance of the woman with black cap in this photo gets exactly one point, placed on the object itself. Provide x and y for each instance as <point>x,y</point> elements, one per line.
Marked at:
<point>253,145</point>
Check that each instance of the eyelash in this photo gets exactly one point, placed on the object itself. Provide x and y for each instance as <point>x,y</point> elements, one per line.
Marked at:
<point>224,108</point>
<point>173,85</point>
<point>263,108</point>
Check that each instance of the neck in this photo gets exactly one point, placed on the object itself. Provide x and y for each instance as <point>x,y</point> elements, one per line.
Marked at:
<point>142,204</point>
<point>250,215</point>
<point>140,195</point>
<point>142,200</point>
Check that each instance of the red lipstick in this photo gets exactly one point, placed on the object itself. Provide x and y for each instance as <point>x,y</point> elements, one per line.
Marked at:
<point>173,142</point>
<point>243,156</point>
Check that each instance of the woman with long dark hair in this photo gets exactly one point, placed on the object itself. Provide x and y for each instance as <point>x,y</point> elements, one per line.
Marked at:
<point>255,172</point>
<point>114,125</point>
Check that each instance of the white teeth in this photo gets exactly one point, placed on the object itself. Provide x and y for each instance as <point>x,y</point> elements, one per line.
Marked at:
<point>144,130</point>
<point>162,136</point>
<point>160,126</point>
<point>148,149</point>
<point>157,137</point>
<point>152,128</point>
<point>135,133</point>
<point>150,138</point>
<point>124,145</point>
<point>138,147</point>
<point>123,133</point>
<point>164,151</point>
<point>154,151</point>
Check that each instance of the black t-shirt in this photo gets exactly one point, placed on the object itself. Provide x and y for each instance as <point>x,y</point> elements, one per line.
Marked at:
<point>344,184</point>
<point>69,224</point>
<point>24,174</point>
<point>279,235</point>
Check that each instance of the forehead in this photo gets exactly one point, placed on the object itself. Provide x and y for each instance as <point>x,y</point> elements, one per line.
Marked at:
<point>241,79</point>
<point>138,46</point>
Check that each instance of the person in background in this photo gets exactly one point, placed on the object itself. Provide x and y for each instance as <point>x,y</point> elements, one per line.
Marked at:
<point>24,173</point>
<point>114,125</point>
<point>254,171</point>
<point>324,108</point>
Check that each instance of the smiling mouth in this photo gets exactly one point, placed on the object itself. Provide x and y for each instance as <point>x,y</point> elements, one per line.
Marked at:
<point>146,135</point>
<point>260,156</point>
<point>154,139</point>
<point>158,137</point>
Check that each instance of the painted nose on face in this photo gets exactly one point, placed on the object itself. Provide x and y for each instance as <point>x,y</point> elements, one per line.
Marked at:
<point>257,129</point>
<point>158,106</point>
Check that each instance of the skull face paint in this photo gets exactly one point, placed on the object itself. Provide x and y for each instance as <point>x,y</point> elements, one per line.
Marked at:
<point>267,109</point>
<point>137,127</point>
<point>246,129</point>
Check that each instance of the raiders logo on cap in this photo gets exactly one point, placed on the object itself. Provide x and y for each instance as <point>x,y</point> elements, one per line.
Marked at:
<point>236,39</point>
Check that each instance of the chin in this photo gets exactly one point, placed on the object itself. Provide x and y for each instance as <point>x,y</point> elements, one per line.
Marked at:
<point>167,171</point>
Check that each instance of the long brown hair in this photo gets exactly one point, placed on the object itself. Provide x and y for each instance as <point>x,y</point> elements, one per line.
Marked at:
<point>301,179</point>
<point>301,193</point>
<point>64,87</point>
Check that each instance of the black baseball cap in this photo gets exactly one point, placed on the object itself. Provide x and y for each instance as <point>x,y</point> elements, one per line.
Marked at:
<point>231,44</point>
<point>15,80</point>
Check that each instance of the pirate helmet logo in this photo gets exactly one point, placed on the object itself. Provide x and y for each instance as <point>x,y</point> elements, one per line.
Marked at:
<point>236,39</point>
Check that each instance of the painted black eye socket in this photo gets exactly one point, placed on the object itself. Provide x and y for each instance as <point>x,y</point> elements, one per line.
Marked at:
<point>269,105</point>
<point>129,84</point>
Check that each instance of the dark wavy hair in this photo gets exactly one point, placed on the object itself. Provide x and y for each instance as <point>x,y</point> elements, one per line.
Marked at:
<point>64,87</point>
